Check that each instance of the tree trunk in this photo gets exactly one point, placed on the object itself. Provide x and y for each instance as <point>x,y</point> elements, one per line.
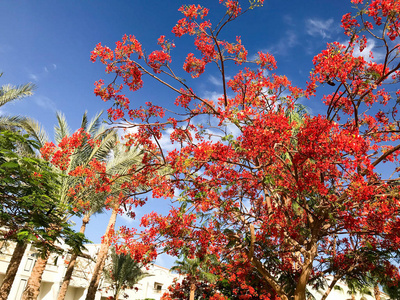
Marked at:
<point>12,269</point>
<point>71,265</point>
<point>192,290</point>
<point>32,289</point>
<point>353,297</point>
<point>377,292</point>
<point>101,257</point>
<point>300,295</point>
<point>116,296</point>
<point>300,292</point>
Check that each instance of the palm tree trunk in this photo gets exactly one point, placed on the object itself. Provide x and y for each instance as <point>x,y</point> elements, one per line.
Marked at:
<point>71,265</point>
<point>12,269</point>
<point>116,296</point>
<point>32,289</point>
<point>101,257</point>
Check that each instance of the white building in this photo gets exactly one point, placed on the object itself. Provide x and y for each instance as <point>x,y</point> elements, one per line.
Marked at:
<point>151,287</point>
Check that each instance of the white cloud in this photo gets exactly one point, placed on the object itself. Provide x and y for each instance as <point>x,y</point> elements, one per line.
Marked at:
<point>317,27</point>
<point>371,46</point>
<point>288,20</point>
<point>215,81</point>
<point>218,80</point>
<point>281,47</point>
<point>165,141</point>
<point>34,77</point>
<point>128,219</point>
<point>212,95</point>
<point>44,102</point>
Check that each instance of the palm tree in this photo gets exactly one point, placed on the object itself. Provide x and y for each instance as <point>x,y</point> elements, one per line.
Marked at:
<point>118,163</point>
<point>81,157</point>
<point>123,160</point>
<point>9,93</point>
<point>356,285</point>
<point>123,272</point>
<point>96,206</point>
<point>196,270</point>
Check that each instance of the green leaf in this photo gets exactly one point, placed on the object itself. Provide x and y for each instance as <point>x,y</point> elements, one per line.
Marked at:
<point>9,165</point>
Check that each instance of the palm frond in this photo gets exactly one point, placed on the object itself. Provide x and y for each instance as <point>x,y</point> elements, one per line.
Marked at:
<point>123,271</point>
<point>94,125</point>
<point>12,123</point>
<point>338,288</point>
<point>84,121</point>
<point>62,129</point>
<point>297,114</point>
<point>10,93</point>
<point>35,130</point>
<point>82,157</point>
<point>25,124</point>
<point>108,140</point>
<point>195,267</point>
<point>123,160</point>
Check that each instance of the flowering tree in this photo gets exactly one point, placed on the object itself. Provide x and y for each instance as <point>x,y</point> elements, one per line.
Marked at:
<point>30,203</point>
<point>291,196</point>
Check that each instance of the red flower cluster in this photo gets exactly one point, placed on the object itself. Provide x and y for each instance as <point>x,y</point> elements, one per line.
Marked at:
<point>194,65</point>
<point>157,59</point>
<point>60,157</point>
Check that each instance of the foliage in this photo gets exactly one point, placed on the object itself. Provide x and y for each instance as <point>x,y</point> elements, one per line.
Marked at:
<point>297,199</point>
<point>181,290</point>
<point>239,281</point>
<point>29,195</point>
<point>393,290</point>
<point>94,164</point>
<point>95,168</point>
<point>9,93</point>
<point>123,272</point>
<point>78,157</point>
<point>196,269</point>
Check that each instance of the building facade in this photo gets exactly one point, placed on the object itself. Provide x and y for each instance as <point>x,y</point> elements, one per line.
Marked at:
<point>151,287</point>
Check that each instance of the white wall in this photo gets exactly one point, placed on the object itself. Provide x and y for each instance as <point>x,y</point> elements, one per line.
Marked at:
<point>55,270</point>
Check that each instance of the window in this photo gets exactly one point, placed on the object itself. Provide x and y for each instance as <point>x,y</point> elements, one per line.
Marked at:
<point>28,264</point>
<point>157,287</point>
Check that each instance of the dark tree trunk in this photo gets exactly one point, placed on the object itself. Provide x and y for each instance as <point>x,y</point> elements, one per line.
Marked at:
<point>12,269</point>
<point>32,289</point>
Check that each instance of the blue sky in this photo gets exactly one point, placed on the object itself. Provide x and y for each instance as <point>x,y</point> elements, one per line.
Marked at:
<point>49,43</point>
